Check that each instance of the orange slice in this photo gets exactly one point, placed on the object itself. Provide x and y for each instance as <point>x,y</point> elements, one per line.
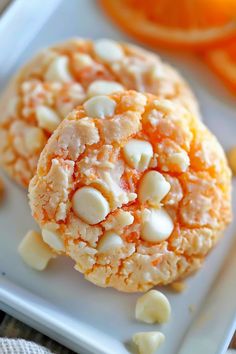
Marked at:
<point>223,62</point>
<point>194,24</point>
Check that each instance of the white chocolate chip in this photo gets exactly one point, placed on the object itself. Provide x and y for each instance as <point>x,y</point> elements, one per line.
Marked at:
<point>180,159</point>
<point>34,252</point>
<point>148,342</point>
<point>138,154</point>
<point>76,93</point>
<point>153,307</point>
<point>108,50</point>
<point>47,118</point>
<point>109,240</point>
<point>100,107</point>
<point>157,225</point>
<point>90,205</point>
<point>35,139</point>
<point>53,239</point>
<point>153,188</point>
<point>82,60</point>
<point>58,70</point>
<point>102,87</point>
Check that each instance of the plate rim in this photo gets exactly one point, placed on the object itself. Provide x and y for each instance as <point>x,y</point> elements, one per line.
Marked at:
<point>8,299</point>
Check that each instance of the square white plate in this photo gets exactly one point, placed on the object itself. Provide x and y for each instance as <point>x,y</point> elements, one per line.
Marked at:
<point>59,302</point>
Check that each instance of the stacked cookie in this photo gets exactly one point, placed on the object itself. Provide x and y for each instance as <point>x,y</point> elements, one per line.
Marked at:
<point>62,77</point>
<point>127,181</point>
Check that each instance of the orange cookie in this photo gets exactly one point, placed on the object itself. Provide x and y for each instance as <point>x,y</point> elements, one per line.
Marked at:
<point>60,78</point>
<point>134,189</point>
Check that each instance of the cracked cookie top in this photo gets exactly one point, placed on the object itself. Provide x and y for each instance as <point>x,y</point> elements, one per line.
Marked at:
<point>134,188</point>
<point>59,78</point>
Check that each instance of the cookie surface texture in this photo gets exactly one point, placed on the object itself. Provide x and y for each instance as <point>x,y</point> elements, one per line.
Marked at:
<point>61,77</point>
<point>137,192</point>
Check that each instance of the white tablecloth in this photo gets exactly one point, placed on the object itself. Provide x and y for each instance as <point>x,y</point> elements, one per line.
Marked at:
<point>21,346</point>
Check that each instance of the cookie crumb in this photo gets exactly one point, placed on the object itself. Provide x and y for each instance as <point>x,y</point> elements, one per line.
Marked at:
<point>231,155</point>
<point>1,187</point>
<point>178,286</point>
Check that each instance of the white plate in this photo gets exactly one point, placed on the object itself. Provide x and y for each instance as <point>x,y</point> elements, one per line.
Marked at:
<point>59,302</point>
